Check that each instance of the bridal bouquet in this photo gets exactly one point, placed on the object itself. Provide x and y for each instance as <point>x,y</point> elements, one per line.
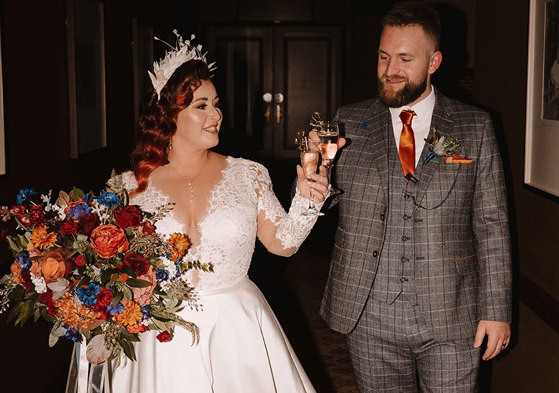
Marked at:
<point>95,267</point>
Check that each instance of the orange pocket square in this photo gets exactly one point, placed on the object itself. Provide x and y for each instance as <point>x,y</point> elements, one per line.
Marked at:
<point>455,159</point>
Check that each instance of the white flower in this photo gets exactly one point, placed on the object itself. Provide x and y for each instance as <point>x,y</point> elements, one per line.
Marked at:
<point>39,282</point>
<point>170,268</point>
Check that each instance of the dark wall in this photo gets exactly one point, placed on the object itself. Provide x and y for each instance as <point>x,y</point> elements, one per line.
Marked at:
<point>500,84</point>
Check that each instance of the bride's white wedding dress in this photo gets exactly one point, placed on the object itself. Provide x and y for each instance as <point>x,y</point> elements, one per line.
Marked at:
<point>242,347</point>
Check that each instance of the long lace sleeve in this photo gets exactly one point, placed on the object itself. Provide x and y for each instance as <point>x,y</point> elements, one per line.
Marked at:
<point>288,229</point>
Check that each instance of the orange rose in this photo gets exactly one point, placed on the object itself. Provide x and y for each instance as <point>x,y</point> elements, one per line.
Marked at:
<point>35,268</point>
<point>53,266</point>
<point>16,272</point>
<point>108,239</point>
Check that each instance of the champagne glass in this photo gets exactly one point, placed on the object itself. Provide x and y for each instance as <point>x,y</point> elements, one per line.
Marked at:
<point>329,134</point>
<point>309,162</point>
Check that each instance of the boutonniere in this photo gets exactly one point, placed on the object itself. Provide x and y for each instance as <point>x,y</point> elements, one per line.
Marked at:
<point>444,147</point>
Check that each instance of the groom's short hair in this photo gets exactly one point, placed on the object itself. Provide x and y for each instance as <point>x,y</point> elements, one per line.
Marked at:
<point>415,13</point>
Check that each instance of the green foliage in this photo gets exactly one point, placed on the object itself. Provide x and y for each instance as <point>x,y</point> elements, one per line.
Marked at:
<point>76,194</point>
<point>137,283</point>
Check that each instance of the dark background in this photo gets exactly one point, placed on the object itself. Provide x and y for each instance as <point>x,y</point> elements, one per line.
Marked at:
<point>485,60</point>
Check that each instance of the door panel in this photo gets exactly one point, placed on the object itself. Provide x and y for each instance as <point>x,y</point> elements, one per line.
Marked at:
<point>300,62</point>
<point>244,59</point>
<point>307,71</point>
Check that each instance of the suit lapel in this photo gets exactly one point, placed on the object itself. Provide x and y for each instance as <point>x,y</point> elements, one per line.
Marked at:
<point>379,123</point>
<point>443,123</point>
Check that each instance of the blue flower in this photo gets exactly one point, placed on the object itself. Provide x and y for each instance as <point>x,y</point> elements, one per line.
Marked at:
<point>79,210</point>
<point>161,275</point>
<point>115,310</point>
<point>88,295</point>
<point>145,310</point>
<point>24,261</point>
<point>24,194</point>
<point>87,198</point>
<point>108,199</point>
<point>71,334</point>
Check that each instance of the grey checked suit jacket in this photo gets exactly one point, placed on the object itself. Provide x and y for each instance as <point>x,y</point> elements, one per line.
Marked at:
<point>465,273</point>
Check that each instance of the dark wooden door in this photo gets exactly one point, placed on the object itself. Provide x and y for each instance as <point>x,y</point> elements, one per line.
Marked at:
<point>271,78</point>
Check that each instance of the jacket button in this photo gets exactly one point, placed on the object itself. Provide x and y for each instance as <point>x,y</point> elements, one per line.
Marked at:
<point>406,216</point>
<point>406,196</point>
<point>375,253</point>
<point>403,279</point>
<point>404,259</point>
<point>382,217</point>
<point>404,238</point>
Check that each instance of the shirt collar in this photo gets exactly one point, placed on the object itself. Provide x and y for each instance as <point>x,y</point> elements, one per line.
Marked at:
<point>423,109</point>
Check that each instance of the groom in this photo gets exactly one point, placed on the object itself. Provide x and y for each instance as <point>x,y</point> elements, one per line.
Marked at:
<point>421,271</point>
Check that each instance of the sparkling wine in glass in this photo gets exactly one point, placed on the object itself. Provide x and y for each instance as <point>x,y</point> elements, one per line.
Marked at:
<point>328,135</point>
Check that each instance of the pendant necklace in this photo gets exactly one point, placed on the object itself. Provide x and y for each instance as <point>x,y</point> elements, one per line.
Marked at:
<point>189,183</point>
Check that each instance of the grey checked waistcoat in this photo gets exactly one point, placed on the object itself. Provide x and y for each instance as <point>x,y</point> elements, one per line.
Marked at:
<point>395,273</point>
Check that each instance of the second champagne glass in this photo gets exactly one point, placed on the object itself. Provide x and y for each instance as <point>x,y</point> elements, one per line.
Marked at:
<point>329,134</point>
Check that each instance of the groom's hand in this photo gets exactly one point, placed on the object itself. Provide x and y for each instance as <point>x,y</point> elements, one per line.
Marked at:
<point>315,141</point>
<point>498,337</point>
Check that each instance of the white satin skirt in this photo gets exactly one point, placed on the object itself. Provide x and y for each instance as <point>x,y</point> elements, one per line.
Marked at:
<point>242,349</point>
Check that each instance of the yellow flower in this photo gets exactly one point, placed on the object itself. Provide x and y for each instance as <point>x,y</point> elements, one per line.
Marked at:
<point>41,239</point>
<point>131,313</point>
<point>179,243</point>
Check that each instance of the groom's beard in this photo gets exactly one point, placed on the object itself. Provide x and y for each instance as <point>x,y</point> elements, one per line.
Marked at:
<point>409,93</point>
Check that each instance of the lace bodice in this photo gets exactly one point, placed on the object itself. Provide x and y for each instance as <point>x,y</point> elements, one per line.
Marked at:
<point>228,231</point>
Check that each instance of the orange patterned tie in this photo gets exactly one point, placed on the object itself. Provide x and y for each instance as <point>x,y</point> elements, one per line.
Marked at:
<point>407,144</point>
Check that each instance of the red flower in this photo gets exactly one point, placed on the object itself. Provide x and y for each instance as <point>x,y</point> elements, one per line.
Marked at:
<point>19,212</point>
<point>102,314</point>
<point>46,298</point>
<point>128,216</point>
<point>69,227</point>
<point>164,336</point>
<point>80,260</point>
<point>104,298</point>
<point>147,228</point>
<point>137,262</point>
<point>88,222</point>
<point>36,214</point>
<point>3,234</point>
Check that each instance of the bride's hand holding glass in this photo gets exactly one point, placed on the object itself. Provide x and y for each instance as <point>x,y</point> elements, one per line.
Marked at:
<point>313,186</point>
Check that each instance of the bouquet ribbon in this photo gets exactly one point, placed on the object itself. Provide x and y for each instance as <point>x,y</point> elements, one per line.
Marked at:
<point>84,377</point>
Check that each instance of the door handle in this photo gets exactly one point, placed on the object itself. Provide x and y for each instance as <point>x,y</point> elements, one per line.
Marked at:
<point>267,98</point>
<point>278,98</point>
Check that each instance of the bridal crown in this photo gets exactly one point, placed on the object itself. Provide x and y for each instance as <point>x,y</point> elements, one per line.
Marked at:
<point>182,52</point>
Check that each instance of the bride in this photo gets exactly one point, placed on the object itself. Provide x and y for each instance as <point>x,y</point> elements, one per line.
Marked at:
<point>223,204</point>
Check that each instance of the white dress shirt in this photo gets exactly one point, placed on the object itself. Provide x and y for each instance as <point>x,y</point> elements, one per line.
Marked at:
<point>420,123</point>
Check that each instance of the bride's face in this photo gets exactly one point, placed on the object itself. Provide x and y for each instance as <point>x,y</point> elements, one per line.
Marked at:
<point>198,124</point>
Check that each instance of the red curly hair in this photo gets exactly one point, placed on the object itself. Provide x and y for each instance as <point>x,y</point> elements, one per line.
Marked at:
<point>158,123</point>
